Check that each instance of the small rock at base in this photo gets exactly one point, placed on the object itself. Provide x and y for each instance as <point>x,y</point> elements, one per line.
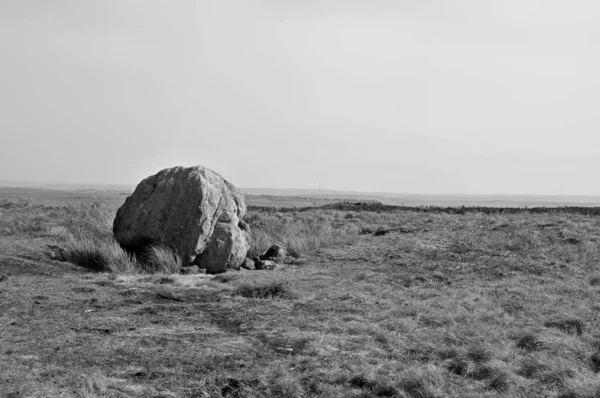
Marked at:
<point>382,231</point>
<point>57,253</point>
<point>265,265</point>
<point>248,264</point>
<point>275,251</point>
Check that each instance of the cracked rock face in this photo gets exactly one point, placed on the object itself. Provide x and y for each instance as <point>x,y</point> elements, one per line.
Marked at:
<point>192,210</point>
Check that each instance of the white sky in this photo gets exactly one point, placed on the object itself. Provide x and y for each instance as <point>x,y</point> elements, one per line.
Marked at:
<point>428,96</point>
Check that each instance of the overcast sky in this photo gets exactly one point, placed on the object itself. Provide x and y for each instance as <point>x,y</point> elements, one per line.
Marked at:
<point>428,96</point>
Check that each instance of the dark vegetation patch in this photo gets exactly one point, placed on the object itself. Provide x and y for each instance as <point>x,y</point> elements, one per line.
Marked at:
<point>571,326</point>
<point>165,280</point>
<point>226,278</point>
<point>268,290</point>
<point>500,382</point>
<point>530,342</point>
<point>83,290</point>
<point>286,345</point>
<point>376,388</point>
<point>595,281</point>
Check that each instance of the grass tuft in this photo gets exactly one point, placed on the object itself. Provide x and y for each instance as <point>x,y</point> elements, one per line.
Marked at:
<point>101,256</point>
<point>99,386</point>
<point>461,367</point>
<point>160,259</point>
<point>570,326</point>
<point>422,383</point>
<point>500,382</point>
<point>225,278</point>
<point>269,290</point>
<point>530,342</point>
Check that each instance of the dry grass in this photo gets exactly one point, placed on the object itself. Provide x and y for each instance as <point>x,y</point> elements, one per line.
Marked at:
<point>101,256</point>
<point>444,305</point>
<point>272,289</point>
<point>299,232</point>
<point>161,260</point>
<point>85,231</point>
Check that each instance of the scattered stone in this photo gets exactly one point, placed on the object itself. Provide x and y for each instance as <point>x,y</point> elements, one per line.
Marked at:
<point>248,264</point>
<point>382,231</point>
<point>192,270</point>
<point>167,295</point>
<point>274,252</point>
<point>192,210</point>
<point>265,265</point>
<point>57,253</point>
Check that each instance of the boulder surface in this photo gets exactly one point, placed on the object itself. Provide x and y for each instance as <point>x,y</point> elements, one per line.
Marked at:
<point>192,210</point>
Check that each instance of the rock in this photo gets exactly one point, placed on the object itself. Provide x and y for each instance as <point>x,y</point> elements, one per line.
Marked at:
<point>3,277</point>
<point>274,252</point>
<point>382,231</point>
<point>168,295</point>
<point>248,264</point>
<point>226,248</point>
<point>193,211</point>
<point>265,265</point>
<point>243,225</point>
<point>192,270</point>
<point>57,253</point>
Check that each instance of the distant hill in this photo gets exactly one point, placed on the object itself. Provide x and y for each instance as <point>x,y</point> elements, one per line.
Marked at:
<point>411,199</point>
<point>115,193</point>
<point>66,186</point>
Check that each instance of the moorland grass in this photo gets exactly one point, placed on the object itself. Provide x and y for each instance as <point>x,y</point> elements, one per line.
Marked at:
<point>444,305</point>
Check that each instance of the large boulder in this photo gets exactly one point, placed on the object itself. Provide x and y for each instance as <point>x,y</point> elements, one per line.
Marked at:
<point>192,210</point>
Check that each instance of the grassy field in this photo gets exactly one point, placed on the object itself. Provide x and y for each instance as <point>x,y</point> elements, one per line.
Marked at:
<point>400,303</point>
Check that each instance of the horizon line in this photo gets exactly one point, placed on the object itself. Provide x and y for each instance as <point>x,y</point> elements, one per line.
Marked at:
<point>45,185</point>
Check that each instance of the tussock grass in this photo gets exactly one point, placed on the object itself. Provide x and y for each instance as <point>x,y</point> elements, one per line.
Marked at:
<point>159,259</point>
<point>100,386</point>
<point>101,256</point>
<point>299,233</point>
<point>531,342</point>
<point>108,256</point>
<point>571,325</point>
<point>268,290</point>
<point>500,382</point>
